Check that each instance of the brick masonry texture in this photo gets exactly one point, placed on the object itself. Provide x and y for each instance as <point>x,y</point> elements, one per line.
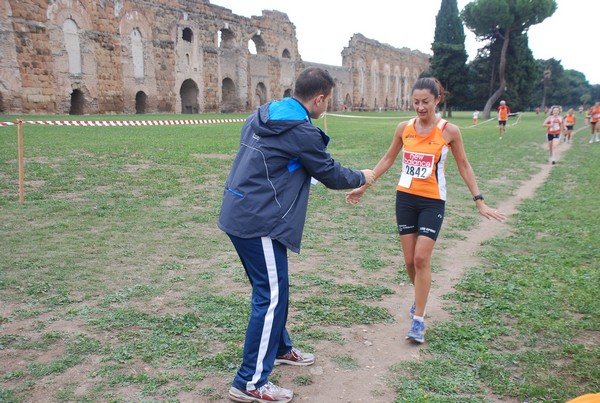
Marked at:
<point>194,57</point>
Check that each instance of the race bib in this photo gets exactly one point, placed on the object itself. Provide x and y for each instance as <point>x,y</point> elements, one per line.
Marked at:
<point>555,126</point>
<point>415,166</point>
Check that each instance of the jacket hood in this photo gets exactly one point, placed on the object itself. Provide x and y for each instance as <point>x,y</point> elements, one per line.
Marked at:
<point>278,117</point>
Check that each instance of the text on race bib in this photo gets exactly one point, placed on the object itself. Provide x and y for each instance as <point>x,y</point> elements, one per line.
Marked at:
<point>417,165</point>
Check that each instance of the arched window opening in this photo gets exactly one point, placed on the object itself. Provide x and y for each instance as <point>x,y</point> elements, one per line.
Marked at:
<point>187,34</point>
<point>259,43</point>
<point>251,47</point>
<point>348,102</point>
<point>287,93</point>
<point>286,54</point>
<point>261,94</point>
<point>71,38</point>
<point>189,97</point>
<point>77,103</point>
<point>141,100</point>
<point>228,103</point>
<point>227,39</point>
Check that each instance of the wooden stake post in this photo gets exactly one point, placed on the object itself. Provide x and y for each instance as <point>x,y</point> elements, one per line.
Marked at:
<point>21,164</point>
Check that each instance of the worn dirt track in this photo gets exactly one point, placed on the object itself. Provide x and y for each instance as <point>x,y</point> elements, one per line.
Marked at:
<point>378,347</point>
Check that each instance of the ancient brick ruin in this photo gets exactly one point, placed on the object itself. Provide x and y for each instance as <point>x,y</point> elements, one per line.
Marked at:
<point>175,56</point>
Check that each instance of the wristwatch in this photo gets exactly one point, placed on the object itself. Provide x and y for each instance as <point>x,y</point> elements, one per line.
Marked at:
<point>478,197</point>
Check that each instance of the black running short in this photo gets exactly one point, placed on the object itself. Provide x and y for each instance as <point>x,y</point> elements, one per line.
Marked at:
<point>420,215</point>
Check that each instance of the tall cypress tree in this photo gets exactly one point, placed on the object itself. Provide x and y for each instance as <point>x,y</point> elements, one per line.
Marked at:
<point>448,63</point>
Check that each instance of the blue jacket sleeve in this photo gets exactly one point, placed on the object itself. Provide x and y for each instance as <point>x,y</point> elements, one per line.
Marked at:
<point>314,157</point>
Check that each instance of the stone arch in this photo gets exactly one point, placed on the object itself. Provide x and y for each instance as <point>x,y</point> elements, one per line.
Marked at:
<point>64,81</point>
<point>134,20</point>
<point>286,54</point>
<point>187,34</point>
<point>259,43</point>
<point>348,102</point>
<point>261,94</point>
<point>229,101</point>
<point>226,38</point>
<point>77,103</point>
<point>137,57</point>
<point>189,97</point>
<point>62,10</point>
<point>141,102</point>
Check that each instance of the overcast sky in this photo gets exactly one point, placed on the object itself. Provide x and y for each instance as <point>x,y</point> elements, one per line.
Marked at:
<point>324,28</point>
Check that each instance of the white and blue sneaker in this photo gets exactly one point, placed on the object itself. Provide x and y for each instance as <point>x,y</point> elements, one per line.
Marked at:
<point>416,332</point>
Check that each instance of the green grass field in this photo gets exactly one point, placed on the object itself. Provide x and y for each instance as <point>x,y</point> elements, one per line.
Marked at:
<point>116,285</point>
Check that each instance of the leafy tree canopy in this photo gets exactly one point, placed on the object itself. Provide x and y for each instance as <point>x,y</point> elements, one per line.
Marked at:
<point>492,19</point>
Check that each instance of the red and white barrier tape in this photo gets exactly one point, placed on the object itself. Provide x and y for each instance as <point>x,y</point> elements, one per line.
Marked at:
<point>115,123</point>
<point>364,117</point>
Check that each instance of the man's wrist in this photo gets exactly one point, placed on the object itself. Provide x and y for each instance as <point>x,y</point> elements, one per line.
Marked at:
<point>478,197</point>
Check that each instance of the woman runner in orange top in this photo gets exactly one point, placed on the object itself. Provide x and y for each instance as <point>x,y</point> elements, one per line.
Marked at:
<point>569,123</point>
<point>594,119</point>
<point>554,124</point>
<point>424,142</point>
<point>503,112</point>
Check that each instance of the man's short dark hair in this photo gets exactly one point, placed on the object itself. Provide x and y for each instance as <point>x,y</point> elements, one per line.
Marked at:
<point>313,81</point>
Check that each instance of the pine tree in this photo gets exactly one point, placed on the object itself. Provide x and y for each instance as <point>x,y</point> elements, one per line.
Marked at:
<point>501,19</point>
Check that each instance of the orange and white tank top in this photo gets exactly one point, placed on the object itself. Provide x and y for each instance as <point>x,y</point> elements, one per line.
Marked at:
<point>503,112</point>
<point>423,161</point>
<point>570,120</point>
<point>596,114</point>
<point>555,125</point>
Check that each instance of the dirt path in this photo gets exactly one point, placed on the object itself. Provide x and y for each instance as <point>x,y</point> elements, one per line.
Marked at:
<point>378,347</point>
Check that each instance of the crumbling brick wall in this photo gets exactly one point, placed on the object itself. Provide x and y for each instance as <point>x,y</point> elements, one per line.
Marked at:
<point>174,56</point>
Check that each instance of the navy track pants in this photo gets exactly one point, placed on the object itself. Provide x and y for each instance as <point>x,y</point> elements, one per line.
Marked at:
<point>266,264</point>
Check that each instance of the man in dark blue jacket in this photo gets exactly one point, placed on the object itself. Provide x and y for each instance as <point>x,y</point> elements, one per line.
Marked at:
<point>263,213</point>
